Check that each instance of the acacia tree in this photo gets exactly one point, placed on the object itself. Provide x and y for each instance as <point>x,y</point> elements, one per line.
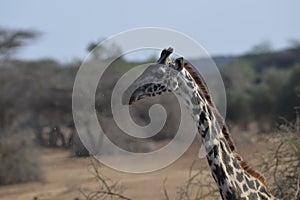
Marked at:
<point>10,42</point>
<point>13,40</point>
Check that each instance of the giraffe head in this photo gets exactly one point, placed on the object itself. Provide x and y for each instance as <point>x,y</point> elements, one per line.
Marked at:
<point>157,79</point>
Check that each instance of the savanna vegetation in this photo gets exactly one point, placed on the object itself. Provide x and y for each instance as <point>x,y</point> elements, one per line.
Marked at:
<point>263,88</point>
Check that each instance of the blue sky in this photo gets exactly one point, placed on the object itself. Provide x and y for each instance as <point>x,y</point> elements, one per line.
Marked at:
<point>222,27</point>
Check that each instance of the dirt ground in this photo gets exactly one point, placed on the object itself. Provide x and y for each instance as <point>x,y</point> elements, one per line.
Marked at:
<point>64,175</point>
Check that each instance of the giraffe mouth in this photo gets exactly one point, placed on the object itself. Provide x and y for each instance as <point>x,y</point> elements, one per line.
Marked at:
<point>137,95</point>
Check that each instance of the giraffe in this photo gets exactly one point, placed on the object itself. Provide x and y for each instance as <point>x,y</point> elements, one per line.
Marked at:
<point>234,178</point>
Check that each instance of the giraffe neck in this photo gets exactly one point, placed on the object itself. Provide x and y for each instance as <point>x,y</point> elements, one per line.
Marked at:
<point>233,181</point>
<point>226,166</point>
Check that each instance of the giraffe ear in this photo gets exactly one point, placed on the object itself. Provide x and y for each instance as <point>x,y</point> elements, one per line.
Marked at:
<point>164,55</point>
<point>179,62</point>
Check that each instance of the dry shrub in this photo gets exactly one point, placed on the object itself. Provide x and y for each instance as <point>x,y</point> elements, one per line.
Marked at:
<point>282,164</point>
<point>107,188</point>
<point>19,161</point>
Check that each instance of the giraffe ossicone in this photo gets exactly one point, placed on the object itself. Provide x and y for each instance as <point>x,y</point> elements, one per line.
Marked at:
<point>235,179</point>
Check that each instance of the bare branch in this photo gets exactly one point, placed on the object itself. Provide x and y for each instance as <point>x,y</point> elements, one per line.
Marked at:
<point>108,189</point>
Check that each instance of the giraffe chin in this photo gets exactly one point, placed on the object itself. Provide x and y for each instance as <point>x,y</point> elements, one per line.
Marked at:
<point>134,98</point>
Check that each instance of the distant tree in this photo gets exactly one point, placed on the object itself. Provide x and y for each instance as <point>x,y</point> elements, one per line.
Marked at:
<point>294,44</point>
<point>238,74</point>
<point>103,52</point>
<point>12,40</point>
<point>289,99</point>
<point>261,48</point>
<point>265,96</point>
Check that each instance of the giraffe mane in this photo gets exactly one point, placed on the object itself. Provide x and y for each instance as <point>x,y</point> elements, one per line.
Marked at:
<point>203,88</point>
